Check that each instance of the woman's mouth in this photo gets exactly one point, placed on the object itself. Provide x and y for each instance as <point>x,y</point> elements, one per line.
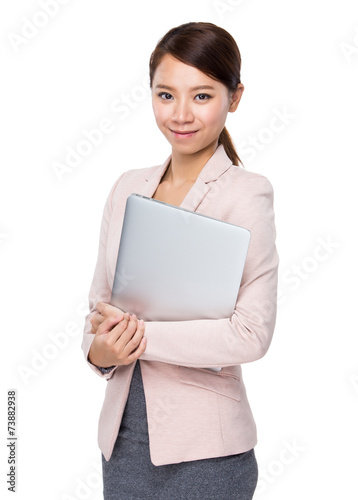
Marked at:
<point>183,134</point>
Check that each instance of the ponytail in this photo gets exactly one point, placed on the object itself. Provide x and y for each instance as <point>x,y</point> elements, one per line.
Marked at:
<point>226,141</point>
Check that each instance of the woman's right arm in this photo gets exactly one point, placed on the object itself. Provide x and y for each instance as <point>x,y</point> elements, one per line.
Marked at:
<point>104,342</point>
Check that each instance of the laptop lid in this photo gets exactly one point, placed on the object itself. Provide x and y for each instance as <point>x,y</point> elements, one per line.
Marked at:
<point>174,264</point>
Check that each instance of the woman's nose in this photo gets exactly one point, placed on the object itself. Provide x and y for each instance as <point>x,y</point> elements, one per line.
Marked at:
<point>183,112</point>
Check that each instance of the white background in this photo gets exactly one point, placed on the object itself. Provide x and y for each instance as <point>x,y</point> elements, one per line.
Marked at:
<point>298,58</point>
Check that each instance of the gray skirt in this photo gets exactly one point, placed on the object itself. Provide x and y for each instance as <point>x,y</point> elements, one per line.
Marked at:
<point>130,474</point>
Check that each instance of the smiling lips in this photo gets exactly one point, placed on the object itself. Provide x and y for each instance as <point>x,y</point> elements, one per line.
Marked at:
<point>186,133</point>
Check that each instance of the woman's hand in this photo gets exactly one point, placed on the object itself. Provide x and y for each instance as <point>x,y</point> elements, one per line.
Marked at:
<point>118,340</point>
<point>104,311</point>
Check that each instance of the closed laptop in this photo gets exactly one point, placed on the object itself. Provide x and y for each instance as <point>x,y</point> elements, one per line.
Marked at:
<point>175,265</point>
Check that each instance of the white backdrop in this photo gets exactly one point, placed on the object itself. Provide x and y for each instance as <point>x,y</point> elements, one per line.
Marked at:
<point>72,66</point>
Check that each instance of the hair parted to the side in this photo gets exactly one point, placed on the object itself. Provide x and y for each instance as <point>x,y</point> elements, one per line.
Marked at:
<point>210,49</point>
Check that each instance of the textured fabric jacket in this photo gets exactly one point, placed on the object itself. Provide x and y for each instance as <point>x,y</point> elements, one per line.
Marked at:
<point>194,413</point>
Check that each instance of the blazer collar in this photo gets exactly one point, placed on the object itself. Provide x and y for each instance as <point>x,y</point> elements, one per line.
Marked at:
<point>217,164</point>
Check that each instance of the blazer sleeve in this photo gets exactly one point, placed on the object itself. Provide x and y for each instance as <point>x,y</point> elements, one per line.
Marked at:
<point>247,334</point>
<point>100,290</point>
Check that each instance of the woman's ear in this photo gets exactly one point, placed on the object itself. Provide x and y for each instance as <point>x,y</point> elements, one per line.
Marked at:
<point>235,97</point>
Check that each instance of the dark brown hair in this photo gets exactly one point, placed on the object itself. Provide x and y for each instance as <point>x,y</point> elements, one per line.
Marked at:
<point>210,49</point>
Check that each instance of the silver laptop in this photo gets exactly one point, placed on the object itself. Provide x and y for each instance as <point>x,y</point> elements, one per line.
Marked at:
<point>174,264</point>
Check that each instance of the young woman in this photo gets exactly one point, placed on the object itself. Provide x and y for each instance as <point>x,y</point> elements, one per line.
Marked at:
<point>170,428</point>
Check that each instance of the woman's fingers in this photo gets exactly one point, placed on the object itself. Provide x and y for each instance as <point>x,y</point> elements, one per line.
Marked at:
<point>104,311</point>
<point>108,309</point>
<point>95,321</point>
<point>124,331</point>
<point>128,346</point>
<point>118,340</point>
<point>136,346</point>
<point>112,321</point>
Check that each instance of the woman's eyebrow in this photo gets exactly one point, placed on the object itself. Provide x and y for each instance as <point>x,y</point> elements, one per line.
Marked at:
<point>198,87</point>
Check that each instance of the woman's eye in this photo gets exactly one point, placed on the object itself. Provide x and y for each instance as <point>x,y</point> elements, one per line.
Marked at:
<point>165,96</point>
<point>203,97</point>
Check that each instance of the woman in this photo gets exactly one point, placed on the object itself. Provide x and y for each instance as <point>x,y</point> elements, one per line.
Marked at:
<point>170,428</point>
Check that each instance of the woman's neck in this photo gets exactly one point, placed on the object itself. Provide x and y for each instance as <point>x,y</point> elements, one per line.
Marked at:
<point>186,167</point>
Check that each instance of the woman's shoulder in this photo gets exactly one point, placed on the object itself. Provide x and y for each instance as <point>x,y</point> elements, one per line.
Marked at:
<point>136,173</point>
<point>130,181</point>
<point>249,179</point>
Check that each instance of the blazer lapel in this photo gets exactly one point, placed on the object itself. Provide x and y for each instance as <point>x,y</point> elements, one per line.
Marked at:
<point>212,170</point>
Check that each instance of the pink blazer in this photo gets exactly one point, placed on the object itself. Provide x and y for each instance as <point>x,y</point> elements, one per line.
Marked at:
<point>195,413</point>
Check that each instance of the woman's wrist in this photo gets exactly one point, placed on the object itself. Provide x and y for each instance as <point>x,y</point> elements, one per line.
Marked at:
<point>101,368</point>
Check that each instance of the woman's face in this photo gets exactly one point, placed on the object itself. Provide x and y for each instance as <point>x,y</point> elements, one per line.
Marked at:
<point>190,108</point>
